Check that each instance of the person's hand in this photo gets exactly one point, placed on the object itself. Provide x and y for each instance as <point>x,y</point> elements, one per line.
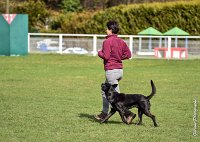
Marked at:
<point>99,50</point>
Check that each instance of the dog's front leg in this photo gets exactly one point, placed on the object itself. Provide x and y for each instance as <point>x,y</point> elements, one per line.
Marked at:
<point>112,111</point>
<point>123,117</point>
<point>122,112</point>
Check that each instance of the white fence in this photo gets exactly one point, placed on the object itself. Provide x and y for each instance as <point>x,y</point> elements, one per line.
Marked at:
<point>91,43</point>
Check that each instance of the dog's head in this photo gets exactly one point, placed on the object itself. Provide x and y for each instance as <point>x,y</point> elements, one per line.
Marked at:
<point>109,91</point>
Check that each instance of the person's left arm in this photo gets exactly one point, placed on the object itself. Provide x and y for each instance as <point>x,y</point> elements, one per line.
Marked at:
<point>126,52</point>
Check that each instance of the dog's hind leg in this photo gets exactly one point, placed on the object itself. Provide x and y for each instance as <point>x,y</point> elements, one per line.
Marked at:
<point>140,113</point>
<point>147,113</point>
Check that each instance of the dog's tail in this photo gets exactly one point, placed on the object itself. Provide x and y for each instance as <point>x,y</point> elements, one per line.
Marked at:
<point>153,92</point>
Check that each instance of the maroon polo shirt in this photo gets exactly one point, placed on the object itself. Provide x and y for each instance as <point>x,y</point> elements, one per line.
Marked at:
<point>114,50</point>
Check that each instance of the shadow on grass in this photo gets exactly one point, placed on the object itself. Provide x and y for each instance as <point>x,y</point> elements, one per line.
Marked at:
<point>91,118</point>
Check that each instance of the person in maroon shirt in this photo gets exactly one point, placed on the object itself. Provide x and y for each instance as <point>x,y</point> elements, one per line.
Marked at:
<point>113,51</point>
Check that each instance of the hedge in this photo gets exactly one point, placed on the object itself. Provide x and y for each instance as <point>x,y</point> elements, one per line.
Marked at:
<point>135,18</point>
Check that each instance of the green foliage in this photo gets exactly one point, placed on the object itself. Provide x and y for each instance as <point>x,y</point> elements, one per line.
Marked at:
<point>135,18</point>
<point>72,22</point>
<point>71,5</point>
<point>37,13</point>
<point>132,18</point>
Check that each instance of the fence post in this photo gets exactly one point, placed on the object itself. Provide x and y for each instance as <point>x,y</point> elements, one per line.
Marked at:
<point>169,47</point>
<point>140,44</point>
<point>94,45</point>
<point>131,44</point>
<point>186,42</point>
<point>60,43</point>
<point>29,43</point>
<point>160,42</point>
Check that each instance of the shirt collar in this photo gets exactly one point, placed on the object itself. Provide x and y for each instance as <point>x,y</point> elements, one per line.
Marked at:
<point>113,35</point>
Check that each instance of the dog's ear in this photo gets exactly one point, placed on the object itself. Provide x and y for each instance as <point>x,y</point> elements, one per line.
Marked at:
<point>114,85</point>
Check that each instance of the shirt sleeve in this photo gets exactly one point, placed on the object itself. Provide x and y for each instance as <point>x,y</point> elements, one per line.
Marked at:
<point>106,50</point>
<point>126,52</point>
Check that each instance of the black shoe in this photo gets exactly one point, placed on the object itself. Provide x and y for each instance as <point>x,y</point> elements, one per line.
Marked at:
<point>100,116</point>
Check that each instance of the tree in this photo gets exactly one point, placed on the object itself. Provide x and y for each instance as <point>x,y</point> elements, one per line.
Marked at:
<point>37,13</point>
<point>71,5</point>
<point>53,3</point>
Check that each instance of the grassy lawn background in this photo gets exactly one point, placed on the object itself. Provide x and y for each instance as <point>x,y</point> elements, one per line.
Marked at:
<point>54,97</point>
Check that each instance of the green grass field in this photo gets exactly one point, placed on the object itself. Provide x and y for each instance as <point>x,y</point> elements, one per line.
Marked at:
<point>53,98</point>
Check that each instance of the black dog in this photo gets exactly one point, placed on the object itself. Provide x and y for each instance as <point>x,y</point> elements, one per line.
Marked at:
<point>123,102</point>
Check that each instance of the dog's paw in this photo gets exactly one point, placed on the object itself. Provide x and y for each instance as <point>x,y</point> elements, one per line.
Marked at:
<point>138,123</point>
<point>156,125</point>
<point>103,121</point>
